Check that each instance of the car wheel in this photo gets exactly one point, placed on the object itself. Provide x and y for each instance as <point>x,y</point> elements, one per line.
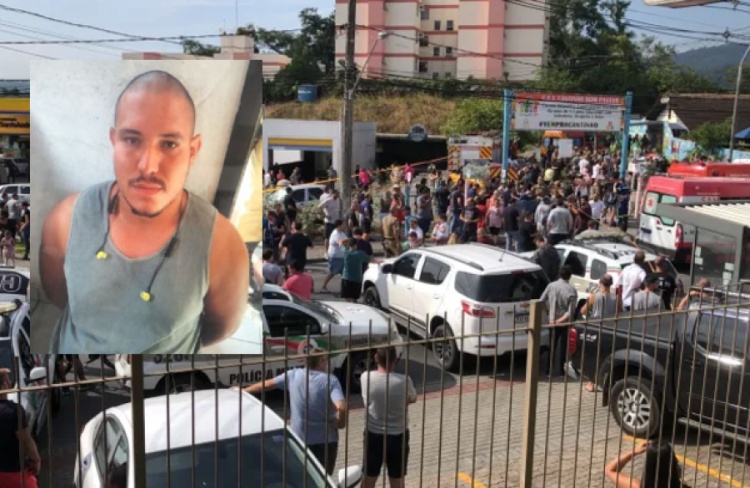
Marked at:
<point>444,348</point>
<point>371,297</point>
<point>182,383</point>
<point>352,375</point>
<point>635,407</point>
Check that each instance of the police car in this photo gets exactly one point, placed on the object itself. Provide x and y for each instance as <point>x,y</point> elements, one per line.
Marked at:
<point>27,369</point>
<point>286,320</point>
<point>186,447</point>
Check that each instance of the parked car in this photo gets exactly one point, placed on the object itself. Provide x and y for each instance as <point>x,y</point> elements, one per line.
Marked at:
<point>186,447</point>
<point>302,194</point>
<point>15,348</point>
<point>286,320</point>
<point>462,290</point>
<point>22,189</point>
<point>694,366</point>
<point>16,166</point>
<point>590,259</point>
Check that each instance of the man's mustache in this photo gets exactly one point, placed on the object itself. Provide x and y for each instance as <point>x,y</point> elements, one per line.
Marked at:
<point>152,181</point>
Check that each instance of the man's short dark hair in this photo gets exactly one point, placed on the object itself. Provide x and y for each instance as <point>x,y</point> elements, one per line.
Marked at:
<point>162,81</point>
<point>296,265</point>
<point>386,356</point>
<point>639,257</point>
<point>352,242</point>
<point>267,254</point>
<point>566,272</point>
<point>357,231</point>
<point>338,223</point>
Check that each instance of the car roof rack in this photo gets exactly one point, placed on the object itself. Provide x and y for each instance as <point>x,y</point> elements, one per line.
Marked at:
<point>473,264</point>
<point>590,245</point>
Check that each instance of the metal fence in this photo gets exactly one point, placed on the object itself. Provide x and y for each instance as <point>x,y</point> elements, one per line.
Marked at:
<point>679,379</point>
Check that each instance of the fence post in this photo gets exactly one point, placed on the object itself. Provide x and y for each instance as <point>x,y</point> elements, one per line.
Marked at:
<point>139,421</point>
<point>534,332</point>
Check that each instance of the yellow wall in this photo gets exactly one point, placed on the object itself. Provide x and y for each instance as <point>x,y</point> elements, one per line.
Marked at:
<point>11,121</point>
<point>247,214</point>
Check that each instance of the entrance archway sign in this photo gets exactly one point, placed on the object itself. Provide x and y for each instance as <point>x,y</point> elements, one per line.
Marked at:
<point>565,112</point>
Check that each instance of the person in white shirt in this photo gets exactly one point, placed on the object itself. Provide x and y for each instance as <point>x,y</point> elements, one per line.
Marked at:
<point>440,232</point>
<point>583,165</point>
<point>597,207</point>
<point>331,207</point>
<point>596,170</point>
<point>631,278</point>
<point>335,253</point>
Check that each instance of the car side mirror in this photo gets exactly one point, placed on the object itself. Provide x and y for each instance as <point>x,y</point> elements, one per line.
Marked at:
<point>350,477</point>
<point>387,269</point>
<point>38,373</point>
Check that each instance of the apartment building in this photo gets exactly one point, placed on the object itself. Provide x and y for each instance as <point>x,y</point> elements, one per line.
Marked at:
<point>486,39</point>
<point>232,47</point>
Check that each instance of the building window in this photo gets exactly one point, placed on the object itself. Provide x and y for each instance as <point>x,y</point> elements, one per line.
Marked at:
<point>437,25</point>
<point>435,75</point>
<point>449,25</point>
<point>424,41</point>
<point>436,51</point>
<point>449,51</point>
<point>448,74</point>
<point>423,66</point>
<point>424,13</point>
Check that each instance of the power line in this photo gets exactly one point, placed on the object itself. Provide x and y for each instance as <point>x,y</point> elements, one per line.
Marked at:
<point>103,41</point>
<point>27,52</point>
<point>66,22</point>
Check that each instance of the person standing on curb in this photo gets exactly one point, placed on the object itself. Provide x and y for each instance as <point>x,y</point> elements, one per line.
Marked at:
<point>386,395</point>
<point>13,472</point>
<point>318,405</point>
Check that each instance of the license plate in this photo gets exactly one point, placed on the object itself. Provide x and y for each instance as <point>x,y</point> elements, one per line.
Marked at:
<point>522,318</point>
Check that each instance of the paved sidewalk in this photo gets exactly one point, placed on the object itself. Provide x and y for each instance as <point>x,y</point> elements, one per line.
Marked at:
<point>471,435</point>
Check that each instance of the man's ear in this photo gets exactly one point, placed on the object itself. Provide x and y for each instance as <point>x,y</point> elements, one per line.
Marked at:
<point>195,146</point>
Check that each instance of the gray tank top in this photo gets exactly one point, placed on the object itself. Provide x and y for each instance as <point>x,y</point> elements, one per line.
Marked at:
<point>605,306</point>
<point>105,312</point>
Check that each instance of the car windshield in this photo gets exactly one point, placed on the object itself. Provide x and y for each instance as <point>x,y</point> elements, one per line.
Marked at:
<point>329,314</point>
<point>514,287</point>
<point>268,459</point>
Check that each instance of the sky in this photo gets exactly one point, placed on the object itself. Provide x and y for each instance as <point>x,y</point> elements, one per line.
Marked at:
<point>162,18</point>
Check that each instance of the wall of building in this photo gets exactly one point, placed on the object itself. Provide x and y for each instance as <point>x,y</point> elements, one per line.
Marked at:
<point>490,38</point>
<point>363,135</point>
<point>239,48</point>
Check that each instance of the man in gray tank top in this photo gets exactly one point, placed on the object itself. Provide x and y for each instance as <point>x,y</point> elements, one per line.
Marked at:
<point>140,265</point>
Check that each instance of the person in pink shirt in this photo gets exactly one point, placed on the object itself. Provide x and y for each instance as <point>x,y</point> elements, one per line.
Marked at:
<point>364,177</point>
<point>299,283</point>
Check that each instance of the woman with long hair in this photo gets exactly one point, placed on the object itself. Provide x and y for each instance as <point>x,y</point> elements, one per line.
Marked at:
<point>660,469</point>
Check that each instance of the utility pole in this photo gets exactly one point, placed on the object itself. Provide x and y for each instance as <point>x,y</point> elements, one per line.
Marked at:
<point>348,122</point>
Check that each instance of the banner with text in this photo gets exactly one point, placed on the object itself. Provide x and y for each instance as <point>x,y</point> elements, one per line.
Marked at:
<point>556,111</point>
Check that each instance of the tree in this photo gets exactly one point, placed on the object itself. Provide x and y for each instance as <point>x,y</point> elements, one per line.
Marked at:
<point>195,48</point>
<point>315,43</point>
<point>475,115</point>
<point>712,136</point>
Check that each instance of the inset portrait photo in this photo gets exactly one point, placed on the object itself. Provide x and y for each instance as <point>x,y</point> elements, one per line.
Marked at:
<point>138,166</point>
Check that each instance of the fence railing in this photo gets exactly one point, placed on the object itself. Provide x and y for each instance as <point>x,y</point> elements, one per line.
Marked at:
<point>680,379</point>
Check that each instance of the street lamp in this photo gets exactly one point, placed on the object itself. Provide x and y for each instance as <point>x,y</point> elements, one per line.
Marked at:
<point>346,166</point>
<point>736,102</point>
